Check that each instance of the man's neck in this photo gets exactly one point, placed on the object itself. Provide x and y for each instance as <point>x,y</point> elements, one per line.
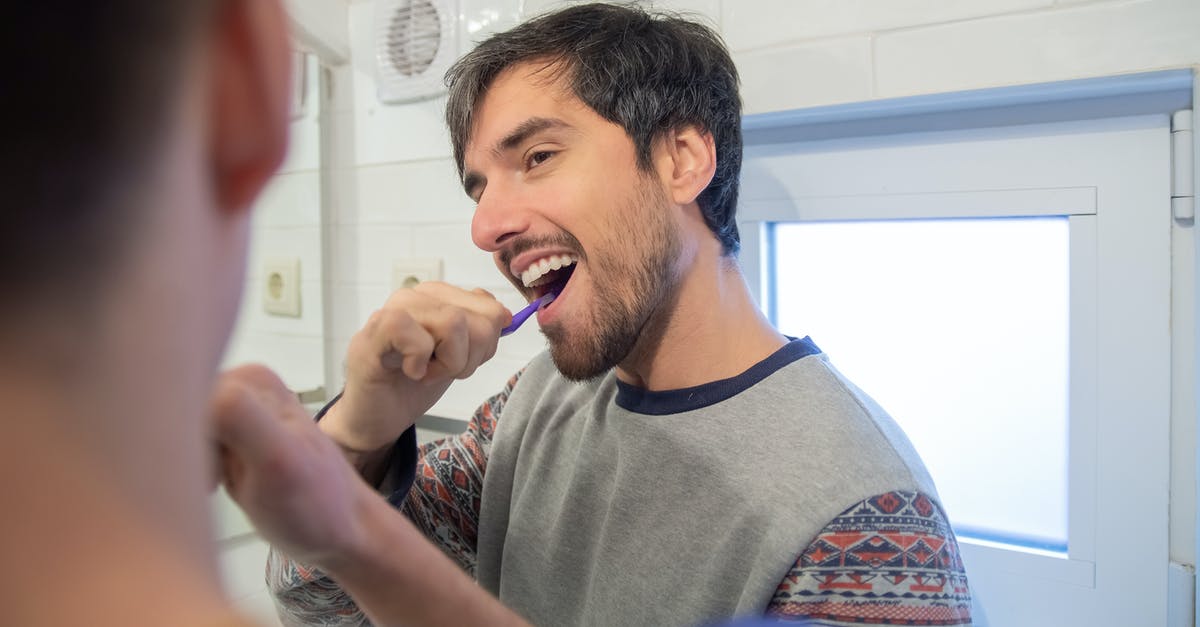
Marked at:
<point>108,510</point>
<point>713,331</point>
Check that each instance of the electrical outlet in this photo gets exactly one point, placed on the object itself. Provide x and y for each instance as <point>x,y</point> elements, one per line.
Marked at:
<point>410,272</point>
<point>281,286</point>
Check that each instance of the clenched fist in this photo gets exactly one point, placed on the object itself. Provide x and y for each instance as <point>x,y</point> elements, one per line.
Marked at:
<point>401,362</point>
<point>291,480</point>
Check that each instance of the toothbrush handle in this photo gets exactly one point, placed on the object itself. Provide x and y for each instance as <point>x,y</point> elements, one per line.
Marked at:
<point>520,317</point>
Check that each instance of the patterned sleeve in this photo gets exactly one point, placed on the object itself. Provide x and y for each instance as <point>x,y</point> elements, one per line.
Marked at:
<point>443,503</point>
<point>891,559</point>
<point>444,500</point>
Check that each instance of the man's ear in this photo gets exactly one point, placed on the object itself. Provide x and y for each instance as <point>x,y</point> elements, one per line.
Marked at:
<point>250,76</point>
<point>687,163</point>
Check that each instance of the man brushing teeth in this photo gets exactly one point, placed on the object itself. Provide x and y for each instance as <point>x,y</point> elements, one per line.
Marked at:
<point>618,255</point>
<point>672,458</point>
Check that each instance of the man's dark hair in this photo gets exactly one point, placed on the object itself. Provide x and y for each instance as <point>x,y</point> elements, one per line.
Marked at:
<point>86,91</point>
<point>650,73</point>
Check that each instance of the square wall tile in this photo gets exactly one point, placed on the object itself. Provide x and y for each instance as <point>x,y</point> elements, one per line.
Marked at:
<point>1073,42</point>
<point>254,319</point>
<point>352,305</point>
<point>243,566</point>
<point>228,519</point>
<point>806,75</point>
<point>299,361</point>
<point>533,8</point>
<point>463,264</point>
<point>708,10</point>
<point>366,255</point>
<point>765,23</point>
<point>417,192</point>
<point>303,243</point>
<point>480,19</point>
<point>290,200</point>
<point>466,395</point>
<point>401,132</point>
<point>243,572</point>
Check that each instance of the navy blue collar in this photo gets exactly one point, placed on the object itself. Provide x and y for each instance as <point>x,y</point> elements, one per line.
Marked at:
<point>635,399</point>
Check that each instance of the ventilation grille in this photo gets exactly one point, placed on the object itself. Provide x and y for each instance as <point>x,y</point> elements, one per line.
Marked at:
<point>415,43</point>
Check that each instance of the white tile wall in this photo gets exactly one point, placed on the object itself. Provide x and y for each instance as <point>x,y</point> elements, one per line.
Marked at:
<point>465,396</point>
<point>709,10</point>
<point>255,319</point>
<point>290,200</point>
<point>426,191</point>
<point>1071,42</point>
<point>481,18</point>
<point>297,359</point>
<point>303,242</point>
<point>764,23</point>
<point>464,264</point>
<point>243,567</point>
<point>806,74</point>
<point>367,254</point>
<point>355,303</point>
<point>230,521</point>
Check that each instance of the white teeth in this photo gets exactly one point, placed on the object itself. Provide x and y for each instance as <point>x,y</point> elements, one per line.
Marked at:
<point>540,268</point>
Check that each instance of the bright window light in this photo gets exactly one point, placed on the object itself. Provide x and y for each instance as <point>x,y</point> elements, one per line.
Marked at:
<point>959,328</point>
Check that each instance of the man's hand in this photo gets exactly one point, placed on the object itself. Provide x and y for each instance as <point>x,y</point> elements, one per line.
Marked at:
<point>289,478</point>
<point>303,497</point>
<point>405,357</point>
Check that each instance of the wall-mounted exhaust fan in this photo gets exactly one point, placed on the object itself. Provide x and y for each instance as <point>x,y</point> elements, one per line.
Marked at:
<point>415,42</point>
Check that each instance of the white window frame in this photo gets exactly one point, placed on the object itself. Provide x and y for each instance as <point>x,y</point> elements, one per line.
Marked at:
<point>1108,168</point>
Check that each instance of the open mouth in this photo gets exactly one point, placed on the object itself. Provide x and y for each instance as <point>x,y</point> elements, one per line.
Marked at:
<point>549,275</point>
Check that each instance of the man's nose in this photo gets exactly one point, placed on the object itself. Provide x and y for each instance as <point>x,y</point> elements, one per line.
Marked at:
<point>499,216</point>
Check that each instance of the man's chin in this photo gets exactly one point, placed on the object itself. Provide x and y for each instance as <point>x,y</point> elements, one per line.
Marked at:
<point>576,361</point>
<point>589,349</point>
<point>577,365</point>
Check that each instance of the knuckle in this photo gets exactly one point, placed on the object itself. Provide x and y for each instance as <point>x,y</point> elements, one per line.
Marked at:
<point>451,320</point>
<point>395,321</point>
<point>429,287</point>
<point>228,396</point>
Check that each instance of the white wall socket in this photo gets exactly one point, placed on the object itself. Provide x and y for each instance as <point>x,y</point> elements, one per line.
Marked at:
<point>281,286</point>
<point>410,272</point>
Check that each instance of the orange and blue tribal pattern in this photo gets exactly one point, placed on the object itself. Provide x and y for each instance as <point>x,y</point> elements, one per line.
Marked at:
<point>445,498</point>
<point>890,560</point>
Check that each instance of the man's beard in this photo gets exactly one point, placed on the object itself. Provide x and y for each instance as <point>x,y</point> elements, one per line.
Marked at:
<point>628,290</point>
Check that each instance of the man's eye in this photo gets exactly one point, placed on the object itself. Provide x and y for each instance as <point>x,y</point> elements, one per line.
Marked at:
<point>538,157</point>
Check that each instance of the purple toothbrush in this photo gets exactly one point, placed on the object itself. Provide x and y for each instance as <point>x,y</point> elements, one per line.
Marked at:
<point>520,317</point>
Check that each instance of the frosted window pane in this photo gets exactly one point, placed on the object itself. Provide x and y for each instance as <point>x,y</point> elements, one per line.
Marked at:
<point>959,328</point>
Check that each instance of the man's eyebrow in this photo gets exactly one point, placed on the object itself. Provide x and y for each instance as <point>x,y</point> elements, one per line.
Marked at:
<point>529,127</point>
